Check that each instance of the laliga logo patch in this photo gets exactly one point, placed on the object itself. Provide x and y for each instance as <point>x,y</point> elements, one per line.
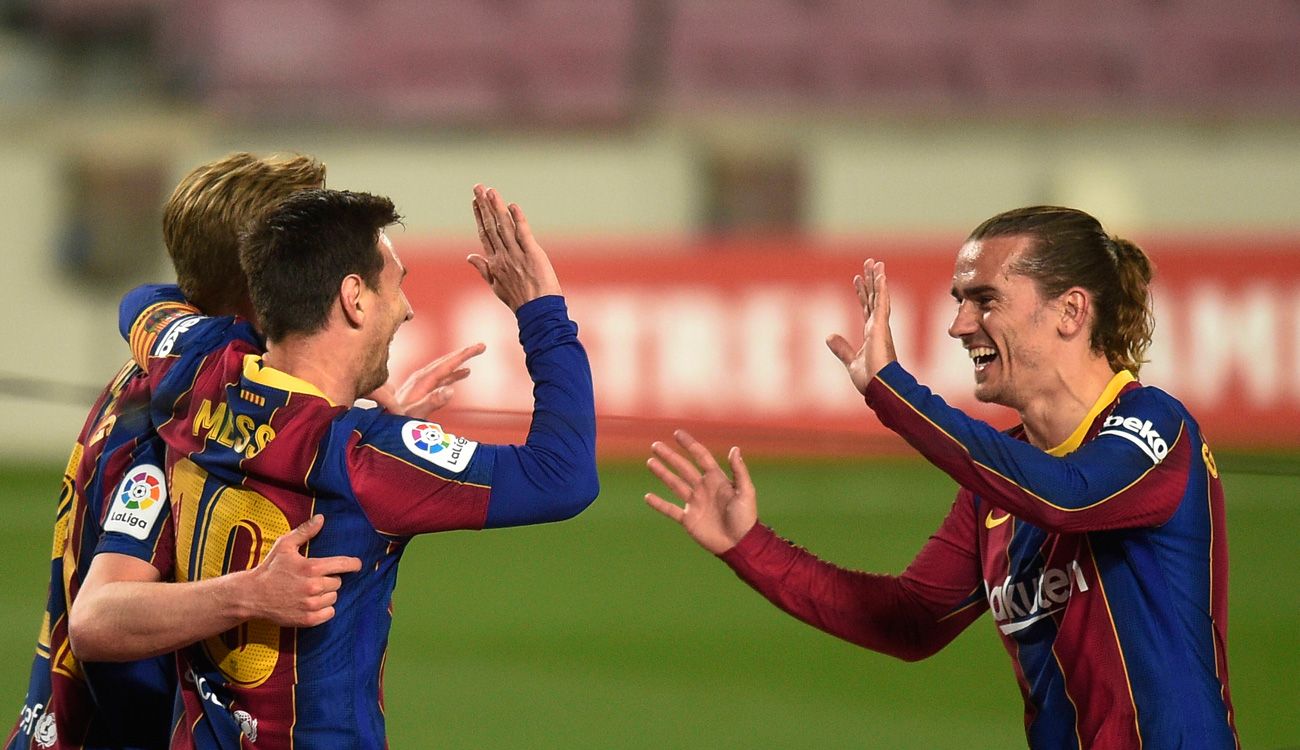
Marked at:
<point>141,490</point>
<point>427,437</point>
<point>137,502</point>
<point>428,441</point>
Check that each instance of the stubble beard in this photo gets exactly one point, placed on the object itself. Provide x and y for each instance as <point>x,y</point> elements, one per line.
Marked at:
<point>376,372</point>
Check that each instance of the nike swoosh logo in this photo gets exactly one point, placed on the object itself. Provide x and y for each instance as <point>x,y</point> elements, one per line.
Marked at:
<point>991,523</point>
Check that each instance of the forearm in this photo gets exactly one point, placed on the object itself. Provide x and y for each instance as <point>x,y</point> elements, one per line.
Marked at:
<point>129,620</point>
<point>1093,488</point>
<point>552,476</point>
<point>877,612</point>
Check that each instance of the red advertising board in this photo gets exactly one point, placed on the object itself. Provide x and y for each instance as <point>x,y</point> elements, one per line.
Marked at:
<point>727,340</point>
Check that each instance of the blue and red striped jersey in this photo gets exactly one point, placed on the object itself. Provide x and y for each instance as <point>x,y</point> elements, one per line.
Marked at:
<point>1102,561</point>
<point>253,452</point>
<point>116,460</point>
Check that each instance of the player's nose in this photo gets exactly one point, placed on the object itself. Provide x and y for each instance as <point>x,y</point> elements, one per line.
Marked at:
<point>963,322</point>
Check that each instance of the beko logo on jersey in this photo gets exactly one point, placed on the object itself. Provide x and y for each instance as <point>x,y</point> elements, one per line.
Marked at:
<point>428,441</point>
<point>168,340</point>
<point>137,501</point>
<point>1018,604</point>
<point>1138,432</point>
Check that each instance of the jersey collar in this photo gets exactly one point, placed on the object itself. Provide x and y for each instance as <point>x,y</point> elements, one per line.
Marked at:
<point>256,371</point>
<point>1108,394</point>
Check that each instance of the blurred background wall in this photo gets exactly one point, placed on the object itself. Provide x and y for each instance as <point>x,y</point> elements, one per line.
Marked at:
<point>622,125</point>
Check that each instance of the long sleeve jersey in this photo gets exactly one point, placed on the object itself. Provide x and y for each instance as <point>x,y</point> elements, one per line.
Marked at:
<point>71,704</point>
<point>1103,563</point>
<point>253,452</point>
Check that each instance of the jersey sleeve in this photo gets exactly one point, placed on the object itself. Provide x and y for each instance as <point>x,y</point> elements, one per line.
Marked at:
<point>1132,474</point>
<point>161,326</point>
<point>909,616</point>
<point>412,476</point>
<point>137,513</point>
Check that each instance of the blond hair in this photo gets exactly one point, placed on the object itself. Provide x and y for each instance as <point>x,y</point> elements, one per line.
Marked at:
<point>212,206</point>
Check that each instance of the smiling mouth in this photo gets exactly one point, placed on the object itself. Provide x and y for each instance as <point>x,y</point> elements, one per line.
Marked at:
<point>982,356</point>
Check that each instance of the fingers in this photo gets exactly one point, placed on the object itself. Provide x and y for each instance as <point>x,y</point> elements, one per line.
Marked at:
<point>457,358</point>
<point>739,472</point>
<point>491,229</point>
<point>680,487</point>
<point>701,454</point>
<point>881,292</point>
<point>523,233</point>
<point>841,348</point>
<point>303,533</point>
<point>678,462</point>
<point>482,218</point>
<point>333,566</point>
<point>317,617</point>
<point>506,229</point>
<point>862,287</point>
<point>675,512</point>
<point>432,401</point>
<point>446,369</point>
<point>481,265</point>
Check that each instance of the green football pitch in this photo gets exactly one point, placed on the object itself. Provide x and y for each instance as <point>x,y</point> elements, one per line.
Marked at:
<point>614,630</point>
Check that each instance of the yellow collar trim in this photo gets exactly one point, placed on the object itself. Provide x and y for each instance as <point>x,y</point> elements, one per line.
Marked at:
<point>1108,394</point>
<point>256,371</point>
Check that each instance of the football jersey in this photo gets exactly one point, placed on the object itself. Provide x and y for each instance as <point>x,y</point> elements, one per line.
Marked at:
<point>1103,563</point>
<point>252,452</point>
<point>115,463</point>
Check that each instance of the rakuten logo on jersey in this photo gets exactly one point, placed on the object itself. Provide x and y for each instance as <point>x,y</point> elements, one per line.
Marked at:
<point>1018,604</point>
<point>1138,432</point>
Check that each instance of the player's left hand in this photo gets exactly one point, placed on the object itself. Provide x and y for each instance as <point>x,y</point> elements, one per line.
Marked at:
<point>717,511</point>
<point>877,348</point>
<point>512,261</point>
<point>429,388</point>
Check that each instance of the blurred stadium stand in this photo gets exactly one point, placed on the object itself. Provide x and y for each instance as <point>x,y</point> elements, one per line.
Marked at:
<point>582,62</point>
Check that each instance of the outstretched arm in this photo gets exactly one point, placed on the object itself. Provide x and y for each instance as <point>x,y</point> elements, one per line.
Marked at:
<point>286,588</point>
<point>552,476</point>
<point>456,483</point>
<point>909,616</point>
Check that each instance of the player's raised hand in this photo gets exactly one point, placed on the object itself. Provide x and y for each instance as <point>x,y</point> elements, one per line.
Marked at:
<point>429,388</point>
<point>877,348</point>
<point>512,262</point>
<point>717,511</point>
<point>294,591</point>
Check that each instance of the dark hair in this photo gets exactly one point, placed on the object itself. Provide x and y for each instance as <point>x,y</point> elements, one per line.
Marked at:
<point>300,252</point>
<point>209,209</point>
<point>1069,249</point>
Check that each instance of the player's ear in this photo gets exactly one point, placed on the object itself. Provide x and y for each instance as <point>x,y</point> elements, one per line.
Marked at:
<point>1075,311</point>
<point>351,299</point>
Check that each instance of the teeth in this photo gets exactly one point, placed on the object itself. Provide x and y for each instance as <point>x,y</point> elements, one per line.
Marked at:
<point>976,352</point>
